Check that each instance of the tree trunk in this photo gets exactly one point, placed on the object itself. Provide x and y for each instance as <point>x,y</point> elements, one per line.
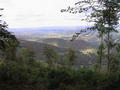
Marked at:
<point>108,52</point>
<point>101,54</point>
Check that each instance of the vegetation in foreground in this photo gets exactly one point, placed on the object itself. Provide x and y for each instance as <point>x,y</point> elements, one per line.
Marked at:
<point>21,75</point>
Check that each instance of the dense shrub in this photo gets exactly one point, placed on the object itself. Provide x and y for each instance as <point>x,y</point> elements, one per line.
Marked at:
<point>17,75</point>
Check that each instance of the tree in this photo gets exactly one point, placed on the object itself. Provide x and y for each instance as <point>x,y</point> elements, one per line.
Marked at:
<point>105,15</point>
<point>115,60</point>
<point>27,55</point>
<point>8,41</point>
<point>50,54</point>
<point>114,63</point>
<point>111,21</point>
<point>70,56</point>
<point>100,54</point>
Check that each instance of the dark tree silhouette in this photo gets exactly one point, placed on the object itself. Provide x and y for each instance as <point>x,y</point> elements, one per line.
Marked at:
<point>8,41</point>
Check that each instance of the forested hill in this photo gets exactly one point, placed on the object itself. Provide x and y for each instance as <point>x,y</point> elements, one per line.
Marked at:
<point>77,44</point>
<point>82,59</point>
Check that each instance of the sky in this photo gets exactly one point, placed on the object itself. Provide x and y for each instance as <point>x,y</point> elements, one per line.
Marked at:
<point>39,13</point>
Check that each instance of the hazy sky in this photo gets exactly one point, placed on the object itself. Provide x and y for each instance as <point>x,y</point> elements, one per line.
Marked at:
<point>37,13</point>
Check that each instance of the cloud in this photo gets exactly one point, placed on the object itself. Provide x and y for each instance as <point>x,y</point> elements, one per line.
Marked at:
<point>37,13</point>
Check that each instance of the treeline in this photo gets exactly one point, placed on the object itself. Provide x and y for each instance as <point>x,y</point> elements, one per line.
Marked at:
<point>26,75</point>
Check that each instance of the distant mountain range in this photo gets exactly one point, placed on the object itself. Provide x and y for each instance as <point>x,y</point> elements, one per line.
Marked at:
<point>66,33</point>
<point>45,32</point>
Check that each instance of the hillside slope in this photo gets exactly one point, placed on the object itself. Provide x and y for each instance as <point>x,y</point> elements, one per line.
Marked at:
<point>82,59</point>
<point>77,44</point>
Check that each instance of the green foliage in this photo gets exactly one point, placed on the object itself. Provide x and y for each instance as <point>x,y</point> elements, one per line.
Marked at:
<point>96,67</point>
<point>27,56</point>
<point>50,54</point>
<point>17,75</point>
<point>8,42</point>
<point>70,57</point>
<point>114,64</point>
<point>101,54</point>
